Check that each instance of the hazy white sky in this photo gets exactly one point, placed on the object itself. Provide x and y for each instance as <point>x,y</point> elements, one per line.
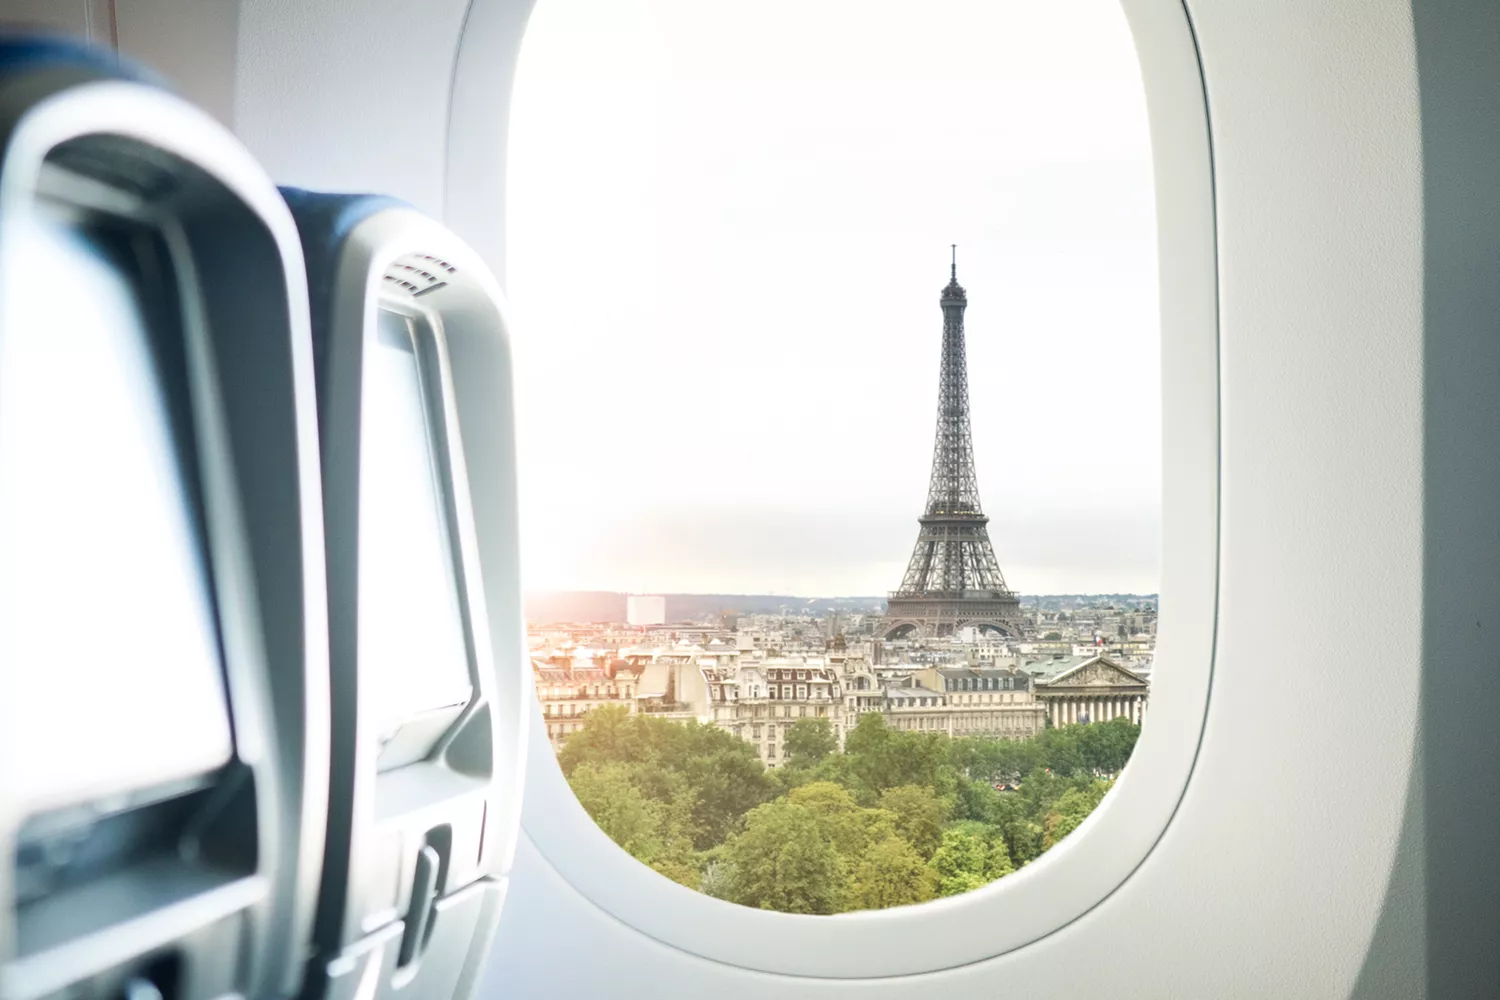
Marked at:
<point>729,225</point>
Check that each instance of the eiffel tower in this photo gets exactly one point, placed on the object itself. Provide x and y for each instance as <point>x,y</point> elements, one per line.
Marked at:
<point>953,580</point>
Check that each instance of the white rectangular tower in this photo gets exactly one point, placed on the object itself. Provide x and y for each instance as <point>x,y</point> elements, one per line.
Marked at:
<point>642,610</point>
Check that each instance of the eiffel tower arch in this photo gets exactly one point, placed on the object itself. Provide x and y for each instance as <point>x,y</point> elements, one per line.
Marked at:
<point>953,580</point>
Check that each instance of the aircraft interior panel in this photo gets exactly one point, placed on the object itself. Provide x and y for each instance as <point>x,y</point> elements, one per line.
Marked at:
<point>1313,817</point>
<point>182,814</point>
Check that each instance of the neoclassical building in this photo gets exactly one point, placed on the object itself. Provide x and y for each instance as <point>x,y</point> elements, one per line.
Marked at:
<point>1095,690</point>
<point>995,702</point>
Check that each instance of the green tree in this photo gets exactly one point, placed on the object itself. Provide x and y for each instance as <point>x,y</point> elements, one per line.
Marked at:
<point>971,756</point>
<point>620,809</point>
<point>892,873</point>
<point>1052,636</point>
<point>782,861</point>
<point>727,783</point>
<point>920,816</point>
<point>971,855</point>
<point>1019,826</point>
<point>609,733</point>
<point>1070,809</point>
<point>961,860</point>
<point>869,737</point>
<point>684,873</point>
<point>1107,746</point>
<point>1061,751</point>
<point>997,863</point>
<point>717,879</point>
<point>880,757</point>
<point>975,800</point>
<point>850,828</point>
<point>809,741</point>
<point>836,829</point>
<point>991,760</point>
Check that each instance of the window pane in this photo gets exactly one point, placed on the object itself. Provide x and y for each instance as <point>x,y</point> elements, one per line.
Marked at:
<point>789,435</point>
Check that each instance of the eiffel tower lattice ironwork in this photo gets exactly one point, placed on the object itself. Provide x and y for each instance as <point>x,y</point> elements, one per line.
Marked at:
<point>953,580</point>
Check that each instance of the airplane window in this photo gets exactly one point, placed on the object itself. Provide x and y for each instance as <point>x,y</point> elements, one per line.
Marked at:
<point>409,612</point>
<point>105,608</point>
<point>776,426</point>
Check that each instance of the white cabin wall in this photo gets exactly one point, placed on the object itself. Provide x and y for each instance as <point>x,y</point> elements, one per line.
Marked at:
<point>339,95</point>
<point>349,95</point>
<point>1296,865</point>
<point>192,45</point>
<point>66,16</point>
<point>336,95</point>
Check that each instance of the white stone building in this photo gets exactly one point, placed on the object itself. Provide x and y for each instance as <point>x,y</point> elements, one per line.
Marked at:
<point>760,700</point>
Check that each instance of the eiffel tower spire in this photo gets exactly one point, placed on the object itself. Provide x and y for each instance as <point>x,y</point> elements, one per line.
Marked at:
<point>953,579</point>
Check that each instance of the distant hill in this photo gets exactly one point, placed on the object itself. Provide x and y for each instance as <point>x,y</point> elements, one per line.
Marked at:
<point>608,606</point>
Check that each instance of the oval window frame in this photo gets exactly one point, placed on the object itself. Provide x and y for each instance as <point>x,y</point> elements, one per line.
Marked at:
<point>1111,844</point>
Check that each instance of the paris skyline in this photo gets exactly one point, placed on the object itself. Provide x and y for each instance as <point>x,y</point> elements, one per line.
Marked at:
<point>743,401</point>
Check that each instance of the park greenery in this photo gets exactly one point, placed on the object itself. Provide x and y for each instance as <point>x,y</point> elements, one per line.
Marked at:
<point>895,817</point>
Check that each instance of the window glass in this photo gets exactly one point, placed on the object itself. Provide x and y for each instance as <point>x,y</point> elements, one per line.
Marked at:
<point>792,434</point>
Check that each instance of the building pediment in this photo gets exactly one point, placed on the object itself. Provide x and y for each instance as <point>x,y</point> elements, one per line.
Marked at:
<point>1095,673</point>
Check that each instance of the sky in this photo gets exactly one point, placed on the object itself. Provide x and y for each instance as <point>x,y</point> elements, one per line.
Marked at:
<point>729,223</point>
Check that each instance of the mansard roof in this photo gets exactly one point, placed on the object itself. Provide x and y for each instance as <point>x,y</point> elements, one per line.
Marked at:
<point>993,670</point>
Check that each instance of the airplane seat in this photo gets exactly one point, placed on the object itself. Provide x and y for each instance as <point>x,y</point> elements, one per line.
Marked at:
<point>424,768</point>
<point>163,702</point>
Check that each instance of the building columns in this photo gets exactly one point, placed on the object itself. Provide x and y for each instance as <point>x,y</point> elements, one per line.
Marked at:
<point>1070,709</point>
